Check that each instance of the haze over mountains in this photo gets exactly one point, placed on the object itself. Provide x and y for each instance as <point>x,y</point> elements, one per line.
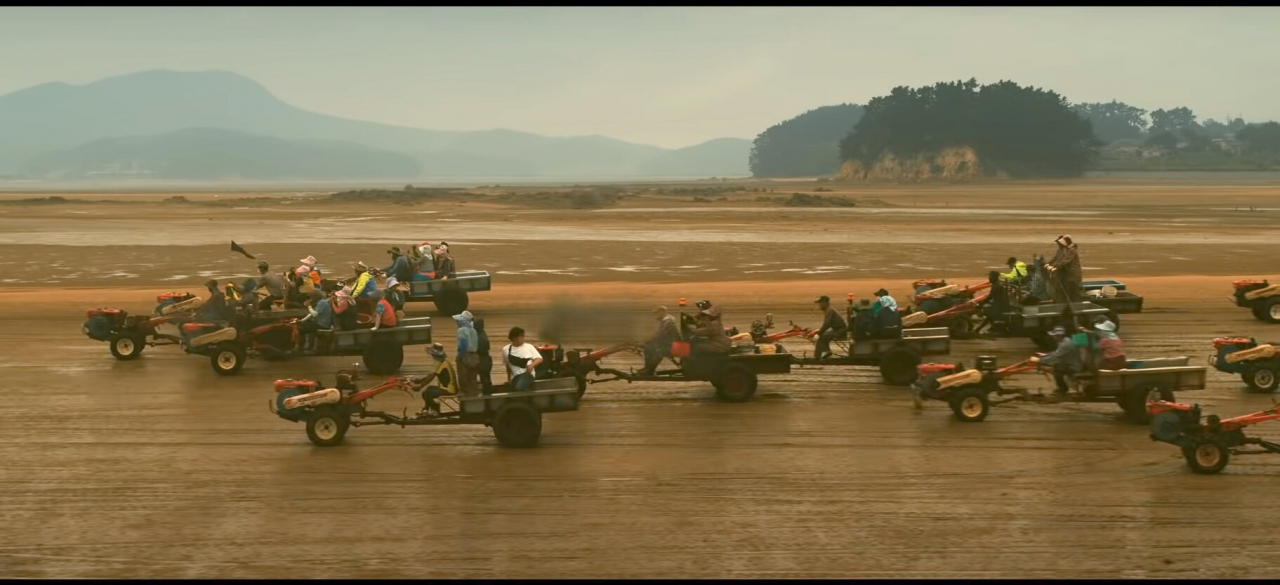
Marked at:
<point>219,125</point>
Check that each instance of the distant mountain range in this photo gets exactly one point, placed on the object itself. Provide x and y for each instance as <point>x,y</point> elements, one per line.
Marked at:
<point>214,124</point>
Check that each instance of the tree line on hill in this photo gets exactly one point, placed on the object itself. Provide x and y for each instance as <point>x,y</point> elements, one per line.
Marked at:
<point>1014,130</point>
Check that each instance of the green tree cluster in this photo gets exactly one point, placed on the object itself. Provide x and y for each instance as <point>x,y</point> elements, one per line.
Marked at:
<point>804,146</point>
<point>1020,131</point>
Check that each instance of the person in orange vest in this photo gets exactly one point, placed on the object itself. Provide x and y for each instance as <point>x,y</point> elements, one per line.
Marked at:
<point>384,314</point>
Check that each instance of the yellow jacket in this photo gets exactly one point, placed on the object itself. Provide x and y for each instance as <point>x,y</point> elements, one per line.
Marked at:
<point>1019,272</point>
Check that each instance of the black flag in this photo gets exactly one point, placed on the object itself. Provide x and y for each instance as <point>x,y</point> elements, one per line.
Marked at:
<point>236,248</point>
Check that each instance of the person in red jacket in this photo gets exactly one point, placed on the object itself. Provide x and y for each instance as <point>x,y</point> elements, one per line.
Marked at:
<point>384,314</point>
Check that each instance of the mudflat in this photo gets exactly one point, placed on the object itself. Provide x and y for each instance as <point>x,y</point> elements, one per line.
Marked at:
<point>160,468</point>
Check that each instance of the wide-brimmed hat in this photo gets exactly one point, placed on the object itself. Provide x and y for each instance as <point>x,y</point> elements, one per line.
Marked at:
<point>309,261</point>
<point>882,293</point>
<point>394,251</point>
<point>360,266</point>
<point>660,309</point>
<point>1107,326</point>
<point>822,299</point>
<point>1059,330</point>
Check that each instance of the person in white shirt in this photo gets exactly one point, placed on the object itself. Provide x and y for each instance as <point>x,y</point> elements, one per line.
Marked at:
<point>521,358</point>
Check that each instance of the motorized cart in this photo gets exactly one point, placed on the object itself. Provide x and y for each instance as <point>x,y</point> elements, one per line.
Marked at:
<point>1257,364</point>
<point>1259,296</point>
<point>1208,442</point>
<point>228,347</point>
<point>127,335</point>
<point>515,417</point>
<point>969,392</point>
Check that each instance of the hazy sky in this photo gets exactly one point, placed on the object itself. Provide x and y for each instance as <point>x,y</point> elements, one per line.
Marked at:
<point>666,76</point>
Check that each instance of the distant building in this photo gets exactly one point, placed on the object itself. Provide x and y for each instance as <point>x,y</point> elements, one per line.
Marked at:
<point>1228,145</point>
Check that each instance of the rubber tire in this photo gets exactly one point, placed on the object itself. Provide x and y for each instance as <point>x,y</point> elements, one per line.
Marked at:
<point>1261,379</point>
<point>383,359</point>
<point>1271,312</point>
<point>517,424</point>
<point>736,383</point>
<point>451,301</point>
<point>234,350</point>
<point>340,430</point>
<point>960,397</point>
<point>1134,404</point>
<point>136,350</point>
<point>1258,311</point>
<point>960,326</point>
<point>1212,448</point>
<point>898,366</point>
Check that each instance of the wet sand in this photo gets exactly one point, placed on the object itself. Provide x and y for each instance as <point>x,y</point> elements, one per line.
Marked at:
<point>159,468</point>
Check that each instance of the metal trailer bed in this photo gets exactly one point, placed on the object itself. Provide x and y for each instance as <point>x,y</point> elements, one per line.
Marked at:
<point>451,295</point>
<point>897,358</point>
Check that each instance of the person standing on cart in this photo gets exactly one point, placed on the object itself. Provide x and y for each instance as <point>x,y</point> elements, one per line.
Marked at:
<point>658,347</point>
<point>1066,285</point>
<point>521,360</point>
<point>833,327</point>
<point>485,368</point>
<point>468,356</point>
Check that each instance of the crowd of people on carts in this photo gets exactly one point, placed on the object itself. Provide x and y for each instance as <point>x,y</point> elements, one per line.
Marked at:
<point>341,308</point>
<point>342,305</point>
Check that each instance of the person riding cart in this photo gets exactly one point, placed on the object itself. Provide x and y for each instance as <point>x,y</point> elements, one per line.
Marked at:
<point>1064,362</point>
<point>1067,285</point>
<point>658,347</point>
<point>1017,271</point>
<point>399,268</point>
<point>996,305</point>
<point>707,335</point>
<point>319,317</point>
<point>446,382</point>
<point>275,285</point>
<point>833,327</point>
<point>216,309</point>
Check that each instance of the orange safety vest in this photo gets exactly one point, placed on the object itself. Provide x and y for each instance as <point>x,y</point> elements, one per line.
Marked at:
<point>388,314</point>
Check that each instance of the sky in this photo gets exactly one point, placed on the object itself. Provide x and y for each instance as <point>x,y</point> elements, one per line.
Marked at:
<point>670,77</point>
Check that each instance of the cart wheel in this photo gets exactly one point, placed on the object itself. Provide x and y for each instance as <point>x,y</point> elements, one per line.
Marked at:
<point>517,424</point>
<point>383,359</point>
<point>127,347</point>
<point>327,427</point>
<point>960,326</point>
<point>898,366</point>
<point>736,384</point>
<point>227,359</point>
<point>970,405</point>
<point>451,301</point>
<point>1271,314</point>
<point>1262,379</point>
<point>1134,403</point>
<point>1206,456</point>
